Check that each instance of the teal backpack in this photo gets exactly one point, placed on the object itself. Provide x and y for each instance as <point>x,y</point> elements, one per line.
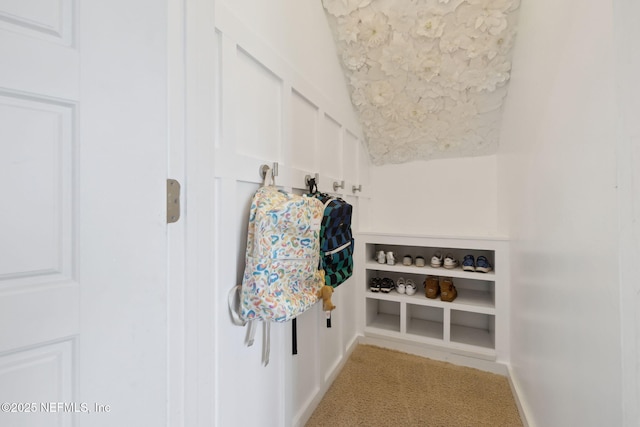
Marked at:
<point>336,240</point>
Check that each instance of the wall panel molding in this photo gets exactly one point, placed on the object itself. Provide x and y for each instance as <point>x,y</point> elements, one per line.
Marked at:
<point>270,113</point>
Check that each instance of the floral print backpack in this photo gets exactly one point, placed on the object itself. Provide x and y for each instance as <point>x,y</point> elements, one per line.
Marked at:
<point>281,278</point>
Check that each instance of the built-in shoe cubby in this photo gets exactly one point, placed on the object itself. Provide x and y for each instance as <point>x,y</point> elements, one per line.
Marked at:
<point>474,323</point>
<point>383,314</point>
<point>475,329</point>
<point>424,321</point>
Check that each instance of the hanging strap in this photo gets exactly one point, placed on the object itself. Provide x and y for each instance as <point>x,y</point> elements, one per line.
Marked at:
<point>294,337</point>
<point>266,338</point>
<point>233,300</point>
<point>268,178</point>
<point>251,333</point>
<point>313,186</point>
<point>266,342</point>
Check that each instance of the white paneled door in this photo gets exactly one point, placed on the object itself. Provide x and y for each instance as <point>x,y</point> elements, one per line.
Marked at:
<point>83,238</point>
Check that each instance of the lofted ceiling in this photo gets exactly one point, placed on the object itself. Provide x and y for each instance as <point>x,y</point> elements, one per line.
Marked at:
<point>427,77</point>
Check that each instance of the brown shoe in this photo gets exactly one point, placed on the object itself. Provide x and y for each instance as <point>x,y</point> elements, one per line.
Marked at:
<point>447,291</point>
<point>431,287</point>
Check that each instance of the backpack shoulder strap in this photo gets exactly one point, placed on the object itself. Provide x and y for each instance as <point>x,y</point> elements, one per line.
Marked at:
<point>234,302</point>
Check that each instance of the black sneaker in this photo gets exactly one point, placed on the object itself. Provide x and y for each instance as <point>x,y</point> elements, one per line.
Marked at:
<point>374,284</point>
<point>387,285</point>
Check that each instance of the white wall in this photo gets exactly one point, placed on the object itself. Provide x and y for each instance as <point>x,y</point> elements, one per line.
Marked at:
<point>557,175</point>
<point>437,197</point>
<point>279,96</point>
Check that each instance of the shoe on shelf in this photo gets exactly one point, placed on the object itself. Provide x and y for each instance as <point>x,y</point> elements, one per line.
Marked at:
<point>420,261</point>
<point>407,260</point>
<point>448,292</point>
<point>400,286</point>
<point>483,265</point>
<point>374,284</point>
<point>469,263</point>
<point>391,258</point>
<point>450,262</point>
<point>387,285</point>
<point>382,258</point>
<point>436,260</point>
<point>410,287</point>
<point>431,287</point>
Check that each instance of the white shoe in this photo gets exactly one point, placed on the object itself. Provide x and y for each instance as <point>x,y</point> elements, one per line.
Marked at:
<point>407,260</point>
<point>391,259</point>
<point>410,287</point>
<point>400,285</point>
<point>450,262</point>
<point>382,258</point>
<point>419,261</point>
<point>436,260</point>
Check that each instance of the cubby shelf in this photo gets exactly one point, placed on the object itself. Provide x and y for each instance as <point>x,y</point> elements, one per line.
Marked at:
<point>469,300</point>
<point>441,271</point>
<point>475,323</point>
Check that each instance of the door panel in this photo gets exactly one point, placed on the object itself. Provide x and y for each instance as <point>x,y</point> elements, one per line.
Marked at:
<point>37,376</point>
<point>38,162</point>
<point>39,292</point>
<point>52,20</point>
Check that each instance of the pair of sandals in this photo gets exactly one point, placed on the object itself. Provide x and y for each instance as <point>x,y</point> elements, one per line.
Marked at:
<point>406,286</point>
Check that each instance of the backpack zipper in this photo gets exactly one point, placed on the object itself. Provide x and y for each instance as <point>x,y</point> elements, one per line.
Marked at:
<point>338,249</point>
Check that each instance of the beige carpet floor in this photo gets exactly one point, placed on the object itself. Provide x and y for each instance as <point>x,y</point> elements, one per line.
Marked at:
<point>381,387</point>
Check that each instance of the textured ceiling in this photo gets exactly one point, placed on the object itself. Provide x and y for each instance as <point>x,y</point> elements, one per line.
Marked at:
<point>427,77</point>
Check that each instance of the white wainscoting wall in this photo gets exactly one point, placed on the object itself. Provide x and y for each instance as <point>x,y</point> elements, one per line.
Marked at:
<point>266,113</point>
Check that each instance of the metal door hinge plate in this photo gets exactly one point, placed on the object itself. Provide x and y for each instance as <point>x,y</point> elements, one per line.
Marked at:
<point>173,201</point>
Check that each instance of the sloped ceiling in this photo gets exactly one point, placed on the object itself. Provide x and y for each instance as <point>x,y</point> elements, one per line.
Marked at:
<point>427,77</point>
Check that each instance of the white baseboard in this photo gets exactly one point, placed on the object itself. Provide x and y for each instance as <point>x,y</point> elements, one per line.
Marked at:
<point>523,408</point>
<point>301,418</point>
